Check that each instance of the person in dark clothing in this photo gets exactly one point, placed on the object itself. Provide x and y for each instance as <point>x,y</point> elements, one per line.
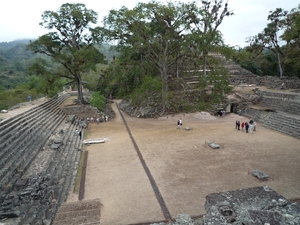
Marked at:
<point>80,135</point>
<point>238,125</point>
<point>246,127</point>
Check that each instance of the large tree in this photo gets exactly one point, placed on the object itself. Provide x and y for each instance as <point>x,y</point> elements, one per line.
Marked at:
<point>154,30</point>
<point>163,33</point>
<point>204,23</point>
<point>292,36</point>
<point>70,44</point>
<point>271,38</point>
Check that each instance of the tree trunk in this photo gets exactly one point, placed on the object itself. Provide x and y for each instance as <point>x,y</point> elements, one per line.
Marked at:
<point>204,63</point>
<point>79,88</point>
<point>280,66</point>
<point>164,76</point>
<point>165,100</point>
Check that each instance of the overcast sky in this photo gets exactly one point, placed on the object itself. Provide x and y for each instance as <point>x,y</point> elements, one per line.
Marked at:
<point>20,19</point>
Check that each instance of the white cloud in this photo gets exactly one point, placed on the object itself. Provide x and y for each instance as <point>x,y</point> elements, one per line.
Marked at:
<point>20,19</point>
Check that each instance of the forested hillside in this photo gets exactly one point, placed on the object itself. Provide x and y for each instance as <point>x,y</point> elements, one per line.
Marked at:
<point>15,60</point>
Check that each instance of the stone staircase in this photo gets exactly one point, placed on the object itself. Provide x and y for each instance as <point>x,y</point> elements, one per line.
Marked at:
<point>81,212</point>
<point>281,101</point>
<point>39,155</point>
<point>278,111</point>
<point>283,122</point>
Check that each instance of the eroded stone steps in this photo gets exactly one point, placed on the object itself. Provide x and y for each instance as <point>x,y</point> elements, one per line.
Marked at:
<point>25,153</point>
<point>62,174</point>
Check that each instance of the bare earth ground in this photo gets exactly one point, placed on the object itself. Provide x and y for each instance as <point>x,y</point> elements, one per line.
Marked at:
<point>184,167</point>
<point>25,106</point>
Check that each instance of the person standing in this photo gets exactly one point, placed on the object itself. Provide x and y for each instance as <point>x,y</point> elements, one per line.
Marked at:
<point>238,125</point>
<point>243,125</point>
<point>80,135</point>
<point>251,128</point>
<point>179,123</point>
<point>246,127</point>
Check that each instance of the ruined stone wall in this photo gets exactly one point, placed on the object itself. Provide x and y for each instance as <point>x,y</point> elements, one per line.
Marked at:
<point>286,102</point>
<point>79,110</point>
<point>267,81</point>
<point>239,75</point>
<point>257,114</point>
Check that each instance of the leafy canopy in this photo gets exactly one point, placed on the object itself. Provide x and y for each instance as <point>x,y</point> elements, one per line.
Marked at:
<point>71,43</point>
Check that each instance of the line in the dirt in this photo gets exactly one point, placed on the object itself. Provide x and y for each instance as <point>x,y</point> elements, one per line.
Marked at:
<point>158,195</point>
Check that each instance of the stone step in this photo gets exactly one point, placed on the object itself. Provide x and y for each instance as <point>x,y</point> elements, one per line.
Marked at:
<point>285,130</point>
<point>12,145</point>
<point>80,212</point>
<point>283,123</point>
<point>30,150</point>
<point>281,130</point>
<point>52,103</point>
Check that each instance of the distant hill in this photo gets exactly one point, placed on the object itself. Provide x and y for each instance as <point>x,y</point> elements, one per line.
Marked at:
<point>8,45</point>
<point>15,59</point>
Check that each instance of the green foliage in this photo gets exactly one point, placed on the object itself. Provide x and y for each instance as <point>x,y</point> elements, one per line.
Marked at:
<point>149,90</point>
<point>281,36</point>
<point>9,98</point>
<point>94,77</point>
<point>125,74</point>
<point>71,44</point>
<point>164,34</point>
<point>98,100</point>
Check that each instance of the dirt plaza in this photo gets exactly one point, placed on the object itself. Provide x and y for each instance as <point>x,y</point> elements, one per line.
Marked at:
<point>185,169</point>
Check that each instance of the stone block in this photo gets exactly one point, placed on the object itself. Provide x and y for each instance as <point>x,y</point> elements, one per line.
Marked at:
<point>213,145</point>
<point>260,175</point>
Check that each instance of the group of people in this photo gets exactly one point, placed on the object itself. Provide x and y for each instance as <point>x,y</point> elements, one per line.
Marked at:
<point>97,119</point>
<point>251,126</point>
<point>221,113</point>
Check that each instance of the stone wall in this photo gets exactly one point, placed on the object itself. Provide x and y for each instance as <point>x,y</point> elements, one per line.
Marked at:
<point>257,205</point>
<point>267,81</point>
<point>286,102</point>
<point>239,75</point>
<point>257,114</point>
<point>277,111</point>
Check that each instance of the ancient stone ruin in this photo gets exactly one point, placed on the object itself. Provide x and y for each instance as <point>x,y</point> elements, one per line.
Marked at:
<point>253,206</point>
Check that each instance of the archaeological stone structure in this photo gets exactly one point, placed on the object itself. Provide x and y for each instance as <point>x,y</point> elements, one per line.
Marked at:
<point>40,152</point>
<point>39,158</point>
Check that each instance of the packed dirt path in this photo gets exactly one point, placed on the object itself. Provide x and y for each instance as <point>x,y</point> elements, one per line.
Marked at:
<point>25,106</point>
<point>183,166</point>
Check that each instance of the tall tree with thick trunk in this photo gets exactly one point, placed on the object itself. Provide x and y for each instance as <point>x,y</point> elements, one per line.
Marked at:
<point>153,29</point>
<point>70,45</point>
<point>205,21</point>
<point>271,38</point>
